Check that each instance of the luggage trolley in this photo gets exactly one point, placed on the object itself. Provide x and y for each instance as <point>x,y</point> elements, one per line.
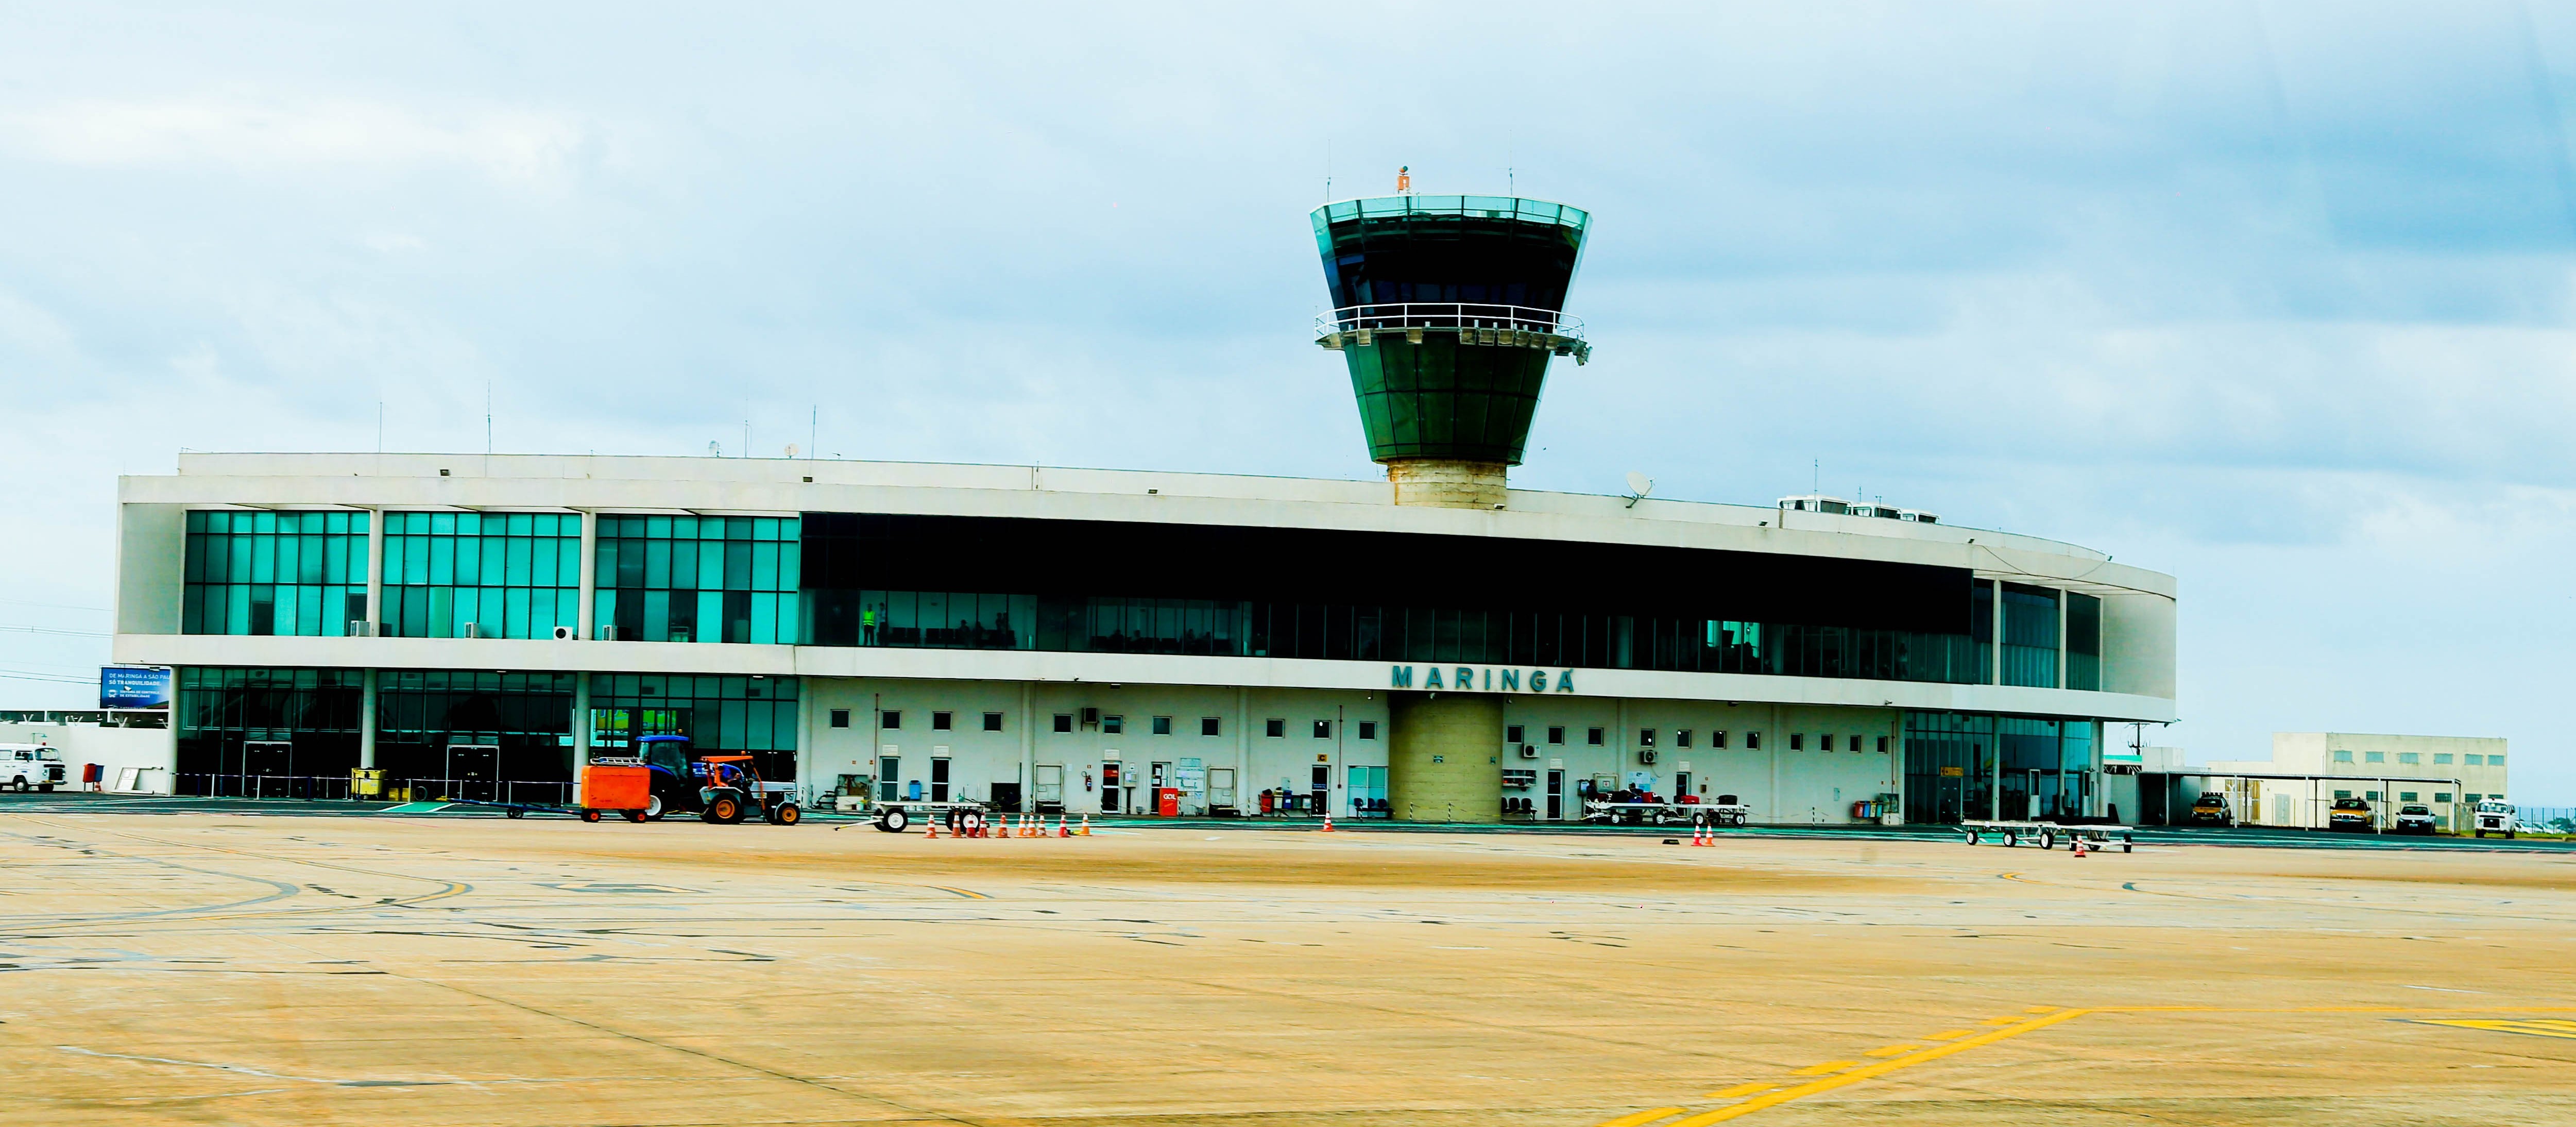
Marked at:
<point>2048,834</point>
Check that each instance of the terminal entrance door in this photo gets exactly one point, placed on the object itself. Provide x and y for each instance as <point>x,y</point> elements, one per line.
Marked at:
<point>473,771</point>
<point>267,767</point>
<point>1112,801</point>
<point>1161,777</point>
<point>1321,786</point>
<point>1555,795</point>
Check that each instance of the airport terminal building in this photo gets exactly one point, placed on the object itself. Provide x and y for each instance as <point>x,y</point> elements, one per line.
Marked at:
<point>1436,646</point>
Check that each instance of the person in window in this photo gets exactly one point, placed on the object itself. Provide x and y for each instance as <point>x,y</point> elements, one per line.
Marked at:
<point>867,626</point>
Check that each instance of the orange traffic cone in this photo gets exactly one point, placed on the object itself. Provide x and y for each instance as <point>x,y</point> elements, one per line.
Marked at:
<point>2080,850</point>
<point>932,830</point>
<point>1059,825</point>
<point>1328,822</point>
<point>1085,831</point>
<point>1699,836</point>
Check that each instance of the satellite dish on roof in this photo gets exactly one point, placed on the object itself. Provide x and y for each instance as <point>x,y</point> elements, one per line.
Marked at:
<point>1638,486</point>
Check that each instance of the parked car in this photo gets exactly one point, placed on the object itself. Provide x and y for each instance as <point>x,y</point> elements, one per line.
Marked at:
<point>2415,818</point>
<point>2352,814</point>
<point>2495,817</point>
<point>2211,810</point>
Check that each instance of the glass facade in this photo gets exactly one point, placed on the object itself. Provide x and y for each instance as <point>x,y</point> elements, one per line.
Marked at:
<point>249,731</point>
<point>506,575</point>
<point>422,713</point>
<point>1959,766</point>
<point>2083,642</point>
<point>699,579</point>
<point>2030,636</point>
<point>292,573</point>
<point>1333,596</point>
<point>729,715</point>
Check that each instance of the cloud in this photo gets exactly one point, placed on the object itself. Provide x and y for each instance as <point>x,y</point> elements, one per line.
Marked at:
<point>287,136</point>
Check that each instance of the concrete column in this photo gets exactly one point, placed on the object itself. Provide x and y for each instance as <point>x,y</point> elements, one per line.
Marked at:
<point>589,575</point>
<point>2061,640</point>
<point>1028,747</point>
<point>375,591</point>
<point>1997,632</point>
<point>1243,749</point>
<point>1441,757</point>
<point>581,730</point>
<point>367,714</point>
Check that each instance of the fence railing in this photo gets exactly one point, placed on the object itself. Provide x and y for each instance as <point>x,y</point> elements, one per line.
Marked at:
<point>1447,315</point>
<point>535,792</point>
<point>2555,819</point>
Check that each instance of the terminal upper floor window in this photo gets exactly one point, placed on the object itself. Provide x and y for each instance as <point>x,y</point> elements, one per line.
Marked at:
<point>1512,733</point>
<point>890,719</point>
<point>943,721</point>
<point>1556,734</point>
<point>1113,725</point>
<point>1162,725</point>
<point>992,721</point>
<point>2414,757</point>
<point>1064,721</point>
<point>1797,741</point>
<point>840,718</point>
<point>2343,794</point>
<point>274,573</point>
<point>1368,729</point>
<point>2495,761</point>
<point>2441,757</point>
<point>2374,757</point>
<point>1753,741</point>
<point>1211,725</point>
<point>1593,737</point>
<point>2341,756</point>
<point>2441,796</point>
<point>1323,729</point>
<point>2473,760</point>
<point>1275,728</point>
<point>1645,737</point>
<point>2405,796</point>
<point>1681,737</point>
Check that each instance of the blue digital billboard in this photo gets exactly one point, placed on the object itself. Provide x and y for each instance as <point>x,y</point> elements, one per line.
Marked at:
<point>125,686</point>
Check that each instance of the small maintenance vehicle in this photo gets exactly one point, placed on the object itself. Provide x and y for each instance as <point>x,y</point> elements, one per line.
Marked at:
<point>2352,814</point>
<point>2494,817</point>
<point>30,766</point>
<point>2210,809</point>
<point>733,789</point>
<point>2415,818</point>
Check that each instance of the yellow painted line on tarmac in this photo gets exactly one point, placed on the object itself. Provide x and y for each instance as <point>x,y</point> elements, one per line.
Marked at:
<point>2537,1027</point>
<point>2039,1009</point>
<point>1821,1069</point>
<point>1742,1090</point>
<point>1644,1117</point>
<point>1891,1050</point>
<point>958,892</point>
<point>1857,1075</point>
<point>2001,1020</point>
<point>1949,1034</point>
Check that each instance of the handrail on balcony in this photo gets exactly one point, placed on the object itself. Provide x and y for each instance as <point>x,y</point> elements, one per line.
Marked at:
<point>1447,315</point>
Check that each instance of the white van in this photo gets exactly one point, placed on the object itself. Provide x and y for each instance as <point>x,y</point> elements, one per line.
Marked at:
<point>30,765</point>
<point>2495,817</point>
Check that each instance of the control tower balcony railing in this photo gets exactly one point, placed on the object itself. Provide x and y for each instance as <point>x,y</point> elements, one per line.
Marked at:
<point>1508,326</point>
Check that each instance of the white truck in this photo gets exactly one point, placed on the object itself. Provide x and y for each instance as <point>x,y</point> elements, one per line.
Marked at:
<point>2494,817</point>
<point>24,766</point>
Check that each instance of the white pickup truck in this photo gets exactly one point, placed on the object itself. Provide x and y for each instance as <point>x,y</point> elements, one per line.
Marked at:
<point>30,765</point>
<point>2495,817</point>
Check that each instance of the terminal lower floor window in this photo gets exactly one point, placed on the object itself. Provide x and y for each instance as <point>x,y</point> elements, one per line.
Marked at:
<point>2441,796</point>
<point>840,718</point>
<point>2343,794</point>
<point>2405,796</point>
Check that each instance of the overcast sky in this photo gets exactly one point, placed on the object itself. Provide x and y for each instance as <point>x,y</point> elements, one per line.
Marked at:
<point>2276,298</point>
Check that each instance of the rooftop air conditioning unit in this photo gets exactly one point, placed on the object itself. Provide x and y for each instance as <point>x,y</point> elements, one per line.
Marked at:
<point>563,633</point>
<point>1646,757</point>
<point>1529,751</point>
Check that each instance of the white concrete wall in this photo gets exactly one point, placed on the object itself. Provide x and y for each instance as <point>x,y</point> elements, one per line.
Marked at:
<point>113,748</point>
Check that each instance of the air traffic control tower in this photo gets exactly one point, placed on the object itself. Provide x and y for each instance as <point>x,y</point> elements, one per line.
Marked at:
<point>1447,310</point>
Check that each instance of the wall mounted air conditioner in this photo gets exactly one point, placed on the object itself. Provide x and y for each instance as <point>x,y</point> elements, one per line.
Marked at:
<point>1529,751</point>
<point>1646,757</point>
<point>1091,718</point>
<point>563,633</point>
